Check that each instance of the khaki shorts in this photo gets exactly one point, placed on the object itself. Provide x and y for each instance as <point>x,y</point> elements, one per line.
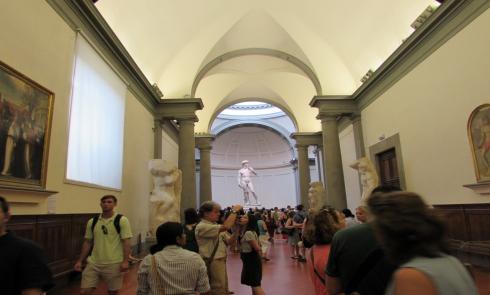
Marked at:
<point>110,273</point>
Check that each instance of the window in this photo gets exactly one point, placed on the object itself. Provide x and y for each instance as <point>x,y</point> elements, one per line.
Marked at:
<point>95,145</point>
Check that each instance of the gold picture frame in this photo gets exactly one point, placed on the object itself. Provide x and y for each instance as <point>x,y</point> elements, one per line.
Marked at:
<point>479,137</point>
<point>26,110</point>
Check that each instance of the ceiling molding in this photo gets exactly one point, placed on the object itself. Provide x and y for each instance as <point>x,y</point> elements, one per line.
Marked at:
<point>257,51</point>
<point>179,109</point>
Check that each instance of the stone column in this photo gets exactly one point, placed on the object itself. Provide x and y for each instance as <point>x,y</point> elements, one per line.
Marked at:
<point>184,111</point>
<point>358,136</point>
<point>187,163</point>
<point>203,142</point>
<point>334,173</point>
<point>304,173</point>
<point>330,109</point>
<point>157,138</point>
<point>303,141</point>
<point>319,163</point>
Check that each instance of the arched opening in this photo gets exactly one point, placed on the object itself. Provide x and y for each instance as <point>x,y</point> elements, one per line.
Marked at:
<point>259,132</point>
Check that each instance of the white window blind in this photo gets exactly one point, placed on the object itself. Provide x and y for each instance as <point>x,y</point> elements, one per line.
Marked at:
<point>95,147</point>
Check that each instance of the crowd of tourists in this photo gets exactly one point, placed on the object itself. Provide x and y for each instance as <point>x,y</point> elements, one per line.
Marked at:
<point>395,244</point>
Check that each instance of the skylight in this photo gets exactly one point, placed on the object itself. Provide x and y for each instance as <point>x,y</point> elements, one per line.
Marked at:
<point>251,108</point>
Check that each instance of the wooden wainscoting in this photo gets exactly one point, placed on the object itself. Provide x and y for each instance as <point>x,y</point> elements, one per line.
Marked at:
<point>469,231</point>
<point>60,235</point>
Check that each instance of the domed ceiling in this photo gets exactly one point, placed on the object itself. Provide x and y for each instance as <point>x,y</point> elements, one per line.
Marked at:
<point>263,147</point>
<point>282,51</point>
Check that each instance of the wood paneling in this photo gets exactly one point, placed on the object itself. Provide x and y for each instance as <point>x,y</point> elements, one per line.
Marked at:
<point>60,235</point>
<point>469,231</point>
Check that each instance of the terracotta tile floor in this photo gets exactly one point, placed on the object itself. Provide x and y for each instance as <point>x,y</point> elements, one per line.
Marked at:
<point>281,275</point>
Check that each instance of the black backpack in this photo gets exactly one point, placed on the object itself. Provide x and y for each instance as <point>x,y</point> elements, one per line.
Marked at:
<point>191,242</point>
<point>117,223</point>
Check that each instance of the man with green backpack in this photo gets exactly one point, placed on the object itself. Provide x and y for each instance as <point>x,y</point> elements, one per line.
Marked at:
<point>107,245</point>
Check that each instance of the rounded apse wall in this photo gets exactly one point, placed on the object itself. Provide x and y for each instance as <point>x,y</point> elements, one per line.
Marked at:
<point>269,154</point>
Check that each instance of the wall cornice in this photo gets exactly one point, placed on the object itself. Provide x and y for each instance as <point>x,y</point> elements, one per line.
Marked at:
<point>447,21</point>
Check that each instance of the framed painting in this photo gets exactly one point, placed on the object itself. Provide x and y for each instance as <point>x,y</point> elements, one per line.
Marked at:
<point>479,136</point>
<point>25,122</point>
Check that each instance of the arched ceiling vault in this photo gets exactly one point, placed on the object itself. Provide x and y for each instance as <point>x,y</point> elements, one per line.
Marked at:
<point>258,51</point>
<point>207,49</point>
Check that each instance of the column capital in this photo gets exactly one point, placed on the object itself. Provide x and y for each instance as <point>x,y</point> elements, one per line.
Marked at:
<point>178,108</point>
<point>356,117</point>
<point>307,138</point>
<point>204,141</point>
<point>334,106</point>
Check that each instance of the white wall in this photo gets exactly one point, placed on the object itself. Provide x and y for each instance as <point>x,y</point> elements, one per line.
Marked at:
<point>351,176</point>
<point>274,187</point>
<point>170,149</point>
<point>429,108</point>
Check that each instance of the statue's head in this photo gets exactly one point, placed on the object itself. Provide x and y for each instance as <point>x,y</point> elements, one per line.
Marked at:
<point>316,195</point>
<point>245,163</point>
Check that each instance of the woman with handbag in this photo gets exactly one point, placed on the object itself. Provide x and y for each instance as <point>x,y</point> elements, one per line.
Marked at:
<point>169,269</point>
<point>250,253</point>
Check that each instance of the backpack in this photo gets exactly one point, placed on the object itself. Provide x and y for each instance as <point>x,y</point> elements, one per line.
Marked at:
<point>117,223</point>
<point>191,242</point>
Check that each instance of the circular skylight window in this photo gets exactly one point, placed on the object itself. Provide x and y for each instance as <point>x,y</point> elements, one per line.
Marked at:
<point>251,108</point>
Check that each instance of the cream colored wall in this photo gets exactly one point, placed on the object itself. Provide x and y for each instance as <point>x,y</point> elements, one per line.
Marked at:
<point>351,176</point>
<point>138,150</point>
<point>170,149</point>
<point>39,44</point>
<point>430,107</point>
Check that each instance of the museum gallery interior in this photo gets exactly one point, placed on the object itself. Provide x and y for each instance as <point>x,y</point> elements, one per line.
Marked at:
<point>298,90</point>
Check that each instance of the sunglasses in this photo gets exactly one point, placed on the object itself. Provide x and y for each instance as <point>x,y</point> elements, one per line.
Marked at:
<point>105,230</point>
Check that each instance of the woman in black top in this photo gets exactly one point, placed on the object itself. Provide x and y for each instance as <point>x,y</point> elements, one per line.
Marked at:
<point>191,221</point>
<point>250,253</point>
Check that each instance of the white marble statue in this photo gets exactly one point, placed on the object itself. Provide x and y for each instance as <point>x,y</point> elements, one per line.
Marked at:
<point>316,195</point>
<point>369,176</point>
<point>165,196</point>
<point>245,182</point>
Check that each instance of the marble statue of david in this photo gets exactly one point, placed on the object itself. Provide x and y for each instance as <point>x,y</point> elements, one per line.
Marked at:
<point>245,182</point>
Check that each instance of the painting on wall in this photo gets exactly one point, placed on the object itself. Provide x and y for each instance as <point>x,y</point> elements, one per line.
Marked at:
<point>25,121</point>
<point>479,136</point>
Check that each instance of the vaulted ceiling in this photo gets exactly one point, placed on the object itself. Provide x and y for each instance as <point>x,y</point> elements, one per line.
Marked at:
<point>279,51</point>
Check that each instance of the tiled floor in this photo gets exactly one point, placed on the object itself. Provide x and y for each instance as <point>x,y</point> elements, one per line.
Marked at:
<point>281,275</point>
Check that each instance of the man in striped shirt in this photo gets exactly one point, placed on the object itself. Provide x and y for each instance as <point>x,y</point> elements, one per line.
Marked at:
<point>171,269</point>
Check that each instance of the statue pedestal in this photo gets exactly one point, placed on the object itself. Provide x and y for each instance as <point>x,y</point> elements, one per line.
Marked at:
<point>251,206</point>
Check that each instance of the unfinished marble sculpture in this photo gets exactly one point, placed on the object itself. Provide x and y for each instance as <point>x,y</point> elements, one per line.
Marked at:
<point>165,196</point>
<point>316,195</point>
<point>369,176</point>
